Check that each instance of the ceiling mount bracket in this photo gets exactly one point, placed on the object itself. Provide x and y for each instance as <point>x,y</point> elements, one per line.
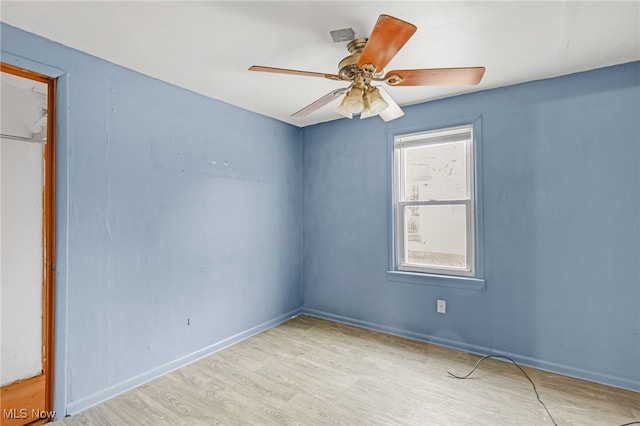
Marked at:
<point>345,34</point>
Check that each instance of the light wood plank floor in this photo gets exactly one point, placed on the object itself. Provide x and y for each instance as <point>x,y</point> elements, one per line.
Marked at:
<point>315,372</point>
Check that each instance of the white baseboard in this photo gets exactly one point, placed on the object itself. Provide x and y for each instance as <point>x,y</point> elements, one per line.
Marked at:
<point>114,390</point>
<point>616,381</point>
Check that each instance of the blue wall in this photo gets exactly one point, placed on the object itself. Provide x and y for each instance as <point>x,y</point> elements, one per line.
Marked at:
<point>178,227</point>
<point>561,217</point>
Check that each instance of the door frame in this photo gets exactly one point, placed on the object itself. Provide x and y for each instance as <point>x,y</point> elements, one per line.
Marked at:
<point>48,228</point>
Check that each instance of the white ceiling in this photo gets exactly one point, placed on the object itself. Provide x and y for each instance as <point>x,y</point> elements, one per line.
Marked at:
<point>207,46</point>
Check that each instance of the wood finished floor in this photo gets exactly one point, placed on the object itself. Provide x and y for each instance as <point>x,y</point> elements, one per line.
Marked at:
<point>310,371</point>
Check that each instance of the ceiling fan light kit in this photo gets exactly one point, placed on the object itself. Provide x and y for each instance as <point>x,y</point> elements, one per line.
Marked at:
<point>374,103</point>
<point>366,63</point>
<point>362,98</point>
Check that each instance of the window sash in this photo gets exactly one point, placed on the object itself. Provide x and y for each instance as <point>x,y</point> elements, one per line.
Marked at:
<point>404,265</point>
<point>402,204</point>
<point>451,134</point>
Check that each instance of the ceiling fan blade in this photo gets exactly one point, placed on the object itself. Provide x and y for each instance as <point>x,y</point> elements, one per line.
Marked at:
<point>435,77</point>
<point>393,111</point>
<point>295,72</point>
<point>387,38</point>
<point>320,102</point>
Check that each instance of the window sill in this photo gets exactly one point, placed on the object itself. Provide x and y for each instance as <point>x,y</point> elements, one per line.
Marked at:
<point>450,281</point>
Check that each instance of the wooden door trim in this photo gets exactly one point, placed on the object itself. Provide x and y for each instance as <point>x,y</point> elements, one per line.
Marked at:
<point>48,228</point>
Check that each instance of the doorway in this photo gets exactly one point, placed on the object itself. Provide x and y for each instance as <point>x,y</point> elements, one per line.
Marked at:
<point>27,234</point>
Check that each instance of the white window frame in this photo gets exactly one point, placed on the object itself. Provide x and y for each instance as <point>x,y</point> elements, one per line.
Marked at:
<point>450,134</point>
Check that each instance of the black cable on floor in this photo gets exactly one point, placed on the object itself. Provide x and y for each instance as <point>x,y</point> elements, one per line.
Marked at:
<point>528,378</point>
<point>519,368</point>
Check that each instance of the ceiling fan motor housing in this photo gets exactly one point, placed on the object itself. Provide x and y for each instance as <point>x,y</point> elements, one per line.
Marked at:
<point>348,67</point>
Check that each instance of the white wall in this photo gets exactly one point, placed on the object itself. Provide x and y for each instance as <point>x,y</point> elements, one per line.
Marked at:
<point>21,183</point>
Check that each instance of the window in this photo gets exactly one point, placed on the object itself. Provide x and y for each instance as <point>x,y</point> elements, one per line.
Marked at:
<point>434,202</point>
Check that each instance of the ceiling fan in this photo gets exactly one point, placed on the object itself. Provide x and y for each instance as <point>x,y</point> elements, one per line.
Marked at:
<point>366,63</point>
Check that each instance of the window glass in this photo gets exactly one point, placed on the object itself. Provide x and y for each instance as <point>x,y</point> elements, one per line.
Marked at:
<point>436,172</point>
<point>436,236</point>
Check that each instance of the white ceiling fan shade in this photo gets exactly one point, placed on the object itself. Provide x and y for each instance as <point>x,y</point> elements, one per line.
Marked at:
<point>373,102</point>
<point>393,111</point>
<point>351,103</point>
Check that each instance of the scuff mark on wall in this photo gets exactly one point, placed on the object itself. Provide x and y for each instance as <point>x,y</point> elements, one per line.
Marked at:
<point>199,156</point>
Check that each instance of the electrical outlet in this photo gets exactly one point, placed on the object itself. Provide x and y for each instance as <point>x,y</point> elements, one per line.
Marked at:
<point>442,306</point>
